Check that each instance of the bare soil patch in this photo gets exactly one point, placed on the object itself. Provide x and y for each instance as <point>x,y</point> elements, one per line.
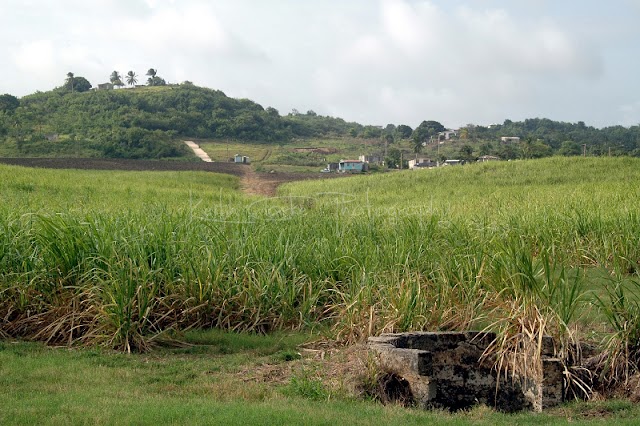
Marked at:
<point>266,184</point>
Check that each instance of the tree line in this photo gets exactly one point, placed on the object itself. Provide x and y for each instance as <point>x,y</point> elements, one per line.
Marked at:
<point>80,84</point>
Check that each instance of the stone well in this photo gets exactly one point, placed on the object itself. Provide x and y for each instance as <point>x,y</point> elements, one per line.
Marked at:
<point>443,370</point>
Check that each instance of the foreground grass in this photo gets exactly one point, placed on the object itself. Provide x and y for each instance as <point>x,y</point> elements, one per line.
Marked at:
<point>130,255</point>
<point>211,383</point>
<point>119,260</point>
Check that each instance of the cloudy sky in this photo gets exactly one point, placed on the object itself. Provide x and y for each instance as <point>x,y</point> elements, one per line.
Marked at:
<point>371,61</point>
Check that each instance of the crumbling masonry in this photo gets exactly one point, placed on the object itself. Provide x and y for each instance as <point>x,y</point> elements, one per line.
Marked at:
<point>443,370</point>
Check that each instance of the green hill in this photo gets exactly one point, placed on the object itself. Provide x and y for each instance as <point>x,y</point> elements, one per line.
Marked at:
<point>145,122</point>
<point>150,121</point>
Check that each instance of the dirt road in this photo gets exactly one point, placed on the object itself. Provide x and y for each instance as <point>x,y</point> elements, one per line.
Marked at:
<point>198,151</point>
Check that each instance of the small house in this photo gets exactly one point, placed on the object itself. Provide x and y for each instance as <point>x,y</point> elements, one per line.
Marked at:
<point>241,159</point>
<point>485,158</point>
<point>105,86</point>
<point>375,159</point>
<point>331,167</point>
<point>447,134</point>
<point>510,139</point>
<point>352,166</point>
<point>453,162</point>
<point>422,163</point>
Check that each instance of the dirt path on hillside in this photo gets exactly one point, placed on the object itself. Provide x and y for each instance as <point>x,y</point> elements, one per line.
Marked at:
<point>251,183</point>
<point>198,151</point>
<point>266,184</point>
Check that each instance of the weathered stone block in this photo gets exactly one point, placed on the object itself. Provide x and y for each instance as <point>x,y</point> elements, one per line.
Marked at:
<point>444,370</point>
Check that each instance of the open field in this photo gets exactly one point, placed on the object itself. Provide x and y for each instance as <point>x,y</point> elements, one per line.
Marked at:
<point>338,242</point>
<point>128,260</point>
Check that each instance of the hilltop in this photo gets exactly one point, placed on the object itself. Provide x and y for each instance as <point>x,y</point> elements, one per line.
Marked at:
<point>146,122</point>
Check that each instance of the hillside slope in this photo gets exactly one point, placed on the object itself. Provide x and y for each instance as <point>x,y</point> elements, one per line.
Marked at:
<point>145,122</point>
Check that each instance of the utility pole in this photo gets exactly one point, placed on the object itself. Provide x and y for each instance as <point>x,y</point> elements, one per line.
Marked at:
<point>584,149</point>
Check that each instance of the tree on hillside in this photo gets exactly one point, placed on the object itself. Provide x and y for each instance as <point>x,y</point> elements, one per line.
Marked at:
<point>82,84</point>
<point>116,79</point>
<point>486,148</point>
<point>371,132</point>
<point>470,131</point>
<point>390,129</point>
<point>570,148</point>
<point>417,146</point>
<point>403,131</point>
<point>8,103</point>
<point>425,130</point>
<point>534,148</point>
<point>115,75</point>
<point>154,79</point>
<point>393,159</point>
<point>466,153</point>
<point>76,83</point>
<point>70,82</point>
<point>131,78</point>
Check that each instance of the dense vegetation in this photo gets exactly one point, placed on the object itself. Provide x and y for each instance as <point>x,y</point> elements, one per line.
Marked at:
<point>541,137</point>
<point>144,122</point>
<point>119,259</point>
<point>126,259</point>
<point>147,121</point>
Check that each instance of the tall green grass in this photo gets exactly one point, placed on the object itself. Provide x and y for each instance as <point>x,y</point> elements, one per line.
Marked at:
<point>124,259</point>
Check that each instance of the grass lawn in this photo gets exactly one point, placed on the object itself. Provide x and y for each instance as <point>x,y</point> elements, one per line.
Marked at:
<point>215,381</point>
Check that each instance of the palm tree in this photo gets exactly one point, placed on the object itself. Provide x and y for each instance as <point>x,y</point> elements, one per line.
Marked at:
<point>115,76</point>
<point>131,78</point>
<point>70,80</point>
<point>154,79</point>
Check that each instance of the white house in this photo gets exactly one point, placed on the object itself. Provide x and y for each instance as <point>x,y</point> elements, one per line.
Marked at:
<point>422,163</point>
<point>104,86</point>
<point>485,158</point>
<point>242,159</point>
<point>508,139</point>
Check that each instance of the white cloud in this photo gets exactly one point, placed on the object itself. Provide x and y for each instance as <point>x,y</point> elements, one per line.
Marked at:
<point>630,114</point>
<point>35,58</point>
<point>412,28</point>
<point>463,63</point>
<point>374,61</point>
<point>194,28</point>
<point>367,50</point>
